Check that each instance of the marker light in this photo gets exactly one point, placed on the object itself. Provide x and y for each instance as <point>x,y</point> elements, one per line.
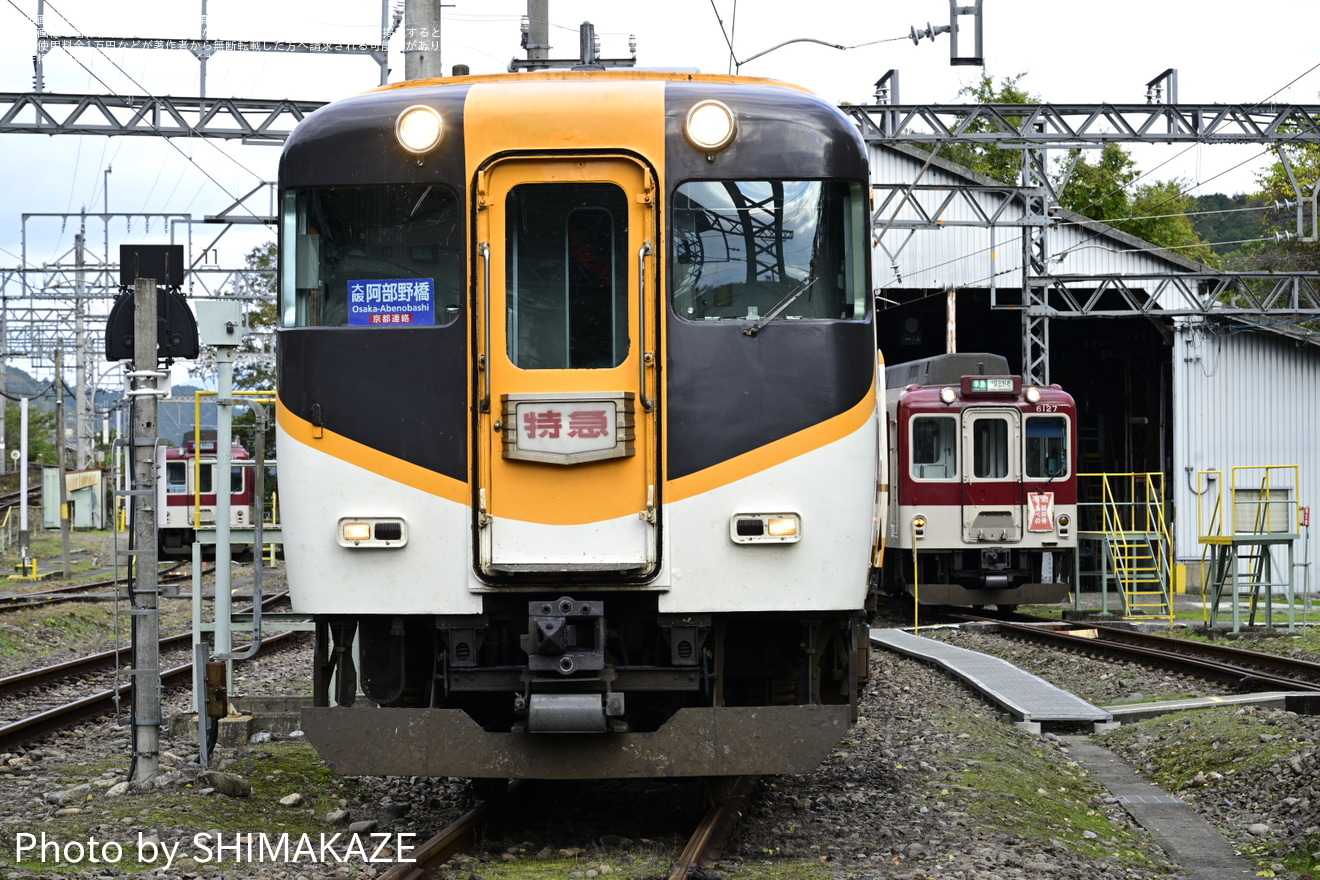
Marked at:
<point>919,526</point>
<point>765,528</point>
<point>948,395</point>
<point>419,129</point>
<point>372,531</point>
<point>710,126</point>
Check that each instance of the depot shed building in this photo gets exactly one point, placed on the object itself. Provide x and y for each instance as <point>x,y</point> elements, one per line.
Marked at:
<point>1177,396</point>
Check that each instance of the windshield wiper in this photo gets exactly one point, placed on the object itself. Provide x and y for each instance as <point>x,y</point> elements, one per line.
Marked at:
<point>781,305</point>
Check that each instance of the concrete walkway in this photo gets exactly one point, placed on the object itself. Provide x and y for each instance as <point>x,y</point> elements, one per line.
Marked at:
<point>1191,842</point>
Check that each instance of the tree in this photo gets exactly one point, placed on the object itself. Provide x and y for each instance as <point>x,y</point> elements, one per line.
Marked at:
<point>41,432</point>
<point>1099,189</point>
<point>1102,189</point>
<point>1159,215</point>
<point>1156,212</point>
<point>1289,255</point>
<point>990,160</point>
<point>254,367</point>
<point>1232,224</point>
<point>254,357</point>
<point>254,361</point>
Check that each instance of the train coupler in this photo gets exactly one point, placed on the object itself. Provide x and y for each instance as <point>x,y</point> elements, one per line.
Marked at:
<point>565,635</point>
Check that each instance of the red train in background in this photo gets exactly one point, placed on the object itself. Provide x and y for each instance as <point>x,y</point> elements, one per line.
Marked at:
<point>984,484</point>
<point>186,489</point>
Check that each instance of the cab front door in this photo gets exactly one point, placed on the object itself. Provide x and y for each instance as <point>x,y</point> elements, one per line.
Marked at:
<point>566,446</point>
<point>992,476</point>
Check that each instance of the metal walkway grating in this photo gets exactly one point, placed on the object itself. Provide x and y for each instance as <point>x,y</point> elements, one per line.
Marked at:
<point>1027,697</point>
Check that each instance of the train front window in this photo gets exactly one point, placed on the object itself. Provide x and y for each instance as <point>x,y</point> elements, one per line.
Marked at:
<point>567,300</point>
<point>747,250</point>
<point>377,256</point>
<point>934,447</point>
<point>990,448</point>
<point>176,477</point>
<point>1047,447</point>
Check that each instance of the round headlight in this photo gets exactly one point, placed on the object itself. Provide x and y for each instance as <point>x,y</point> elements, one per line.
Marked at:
<point>919,521</point>
<point>419,129</point>
<point>948,395</point>
<point>1033,394</point>
<point>710,126</point>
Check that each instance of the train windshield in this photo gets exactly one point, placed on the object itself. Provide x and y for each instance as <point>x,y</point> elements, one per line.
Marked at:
<point>1047,446</point>
<point>790,250</point>
<point>386,255</point>
<point>568,276</point>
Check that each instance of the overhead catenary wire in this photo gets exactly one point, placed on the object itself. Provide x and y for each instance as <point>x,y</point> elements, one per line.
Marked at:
<point>146,92</point>
<point>1109,224</point>
<point>1181,192</point>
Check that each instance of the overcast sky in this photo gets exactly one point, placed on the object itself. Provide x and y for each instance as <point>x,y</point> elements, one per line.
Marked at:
<point>1225,51</point>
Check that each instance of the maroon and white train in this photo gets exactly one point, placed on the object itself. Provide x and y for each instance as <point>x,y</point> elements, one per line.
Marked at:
<point>186,489</point>
<point>984,480</point>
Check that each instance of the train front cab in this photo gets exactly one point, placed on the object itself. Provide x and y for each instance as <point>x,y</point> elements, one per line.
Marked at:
<point>651,557</point>
<point>986,493</point>
<point>187,498</point>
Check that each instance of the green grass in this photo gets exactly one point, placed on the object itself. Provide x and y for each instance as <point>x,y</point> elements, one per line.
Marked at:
<point>1184,751</point>
<point>274,770</point>
<point>1042,799</point>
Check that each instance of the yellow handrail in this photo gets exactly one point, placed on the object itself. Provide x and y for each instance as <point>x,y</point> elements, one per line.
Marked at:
<point>258,397</point>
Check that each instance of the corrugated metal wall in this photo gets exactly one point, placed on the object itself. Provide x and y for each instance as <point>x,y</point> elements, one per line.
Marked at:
<point>1243,397</point>
<point>961,257</point>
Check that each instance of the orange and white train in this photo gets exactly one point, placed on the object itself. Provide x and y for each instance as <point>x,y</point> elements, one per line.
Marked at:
<point>580,424</point>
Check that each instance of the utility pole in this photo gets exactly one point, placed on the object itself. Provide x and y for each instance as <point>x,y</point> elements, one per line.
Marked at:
<point>538,31</point>
<point>421,48</point>
<point>146,622</point>
<point>24,533</point>
<point>81,416</point>
<point>59,459</point>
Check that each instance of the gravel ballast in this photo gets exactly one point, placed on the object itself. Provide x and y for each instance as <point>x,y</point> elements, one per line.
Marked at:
<point>931,783</point>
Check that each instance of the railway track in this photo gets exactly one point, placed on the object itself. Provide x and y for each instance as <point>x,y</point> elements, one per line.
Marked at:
<point>83,592</point>
<point>727,795</point>
<point>23,688</point>
<point>1246,669</point>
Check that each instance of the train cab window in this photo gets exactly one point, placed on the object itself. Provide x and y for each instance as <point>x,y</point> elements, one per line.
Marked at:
<point>206,478</point>
<point>784,250</point>
<point>990,448</point>
<point>934,447</point>
<point>1047,447</point>
<point>176,477</point>
<point>567,299</point>
<point>370,256</point>
<point>236,479</point>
